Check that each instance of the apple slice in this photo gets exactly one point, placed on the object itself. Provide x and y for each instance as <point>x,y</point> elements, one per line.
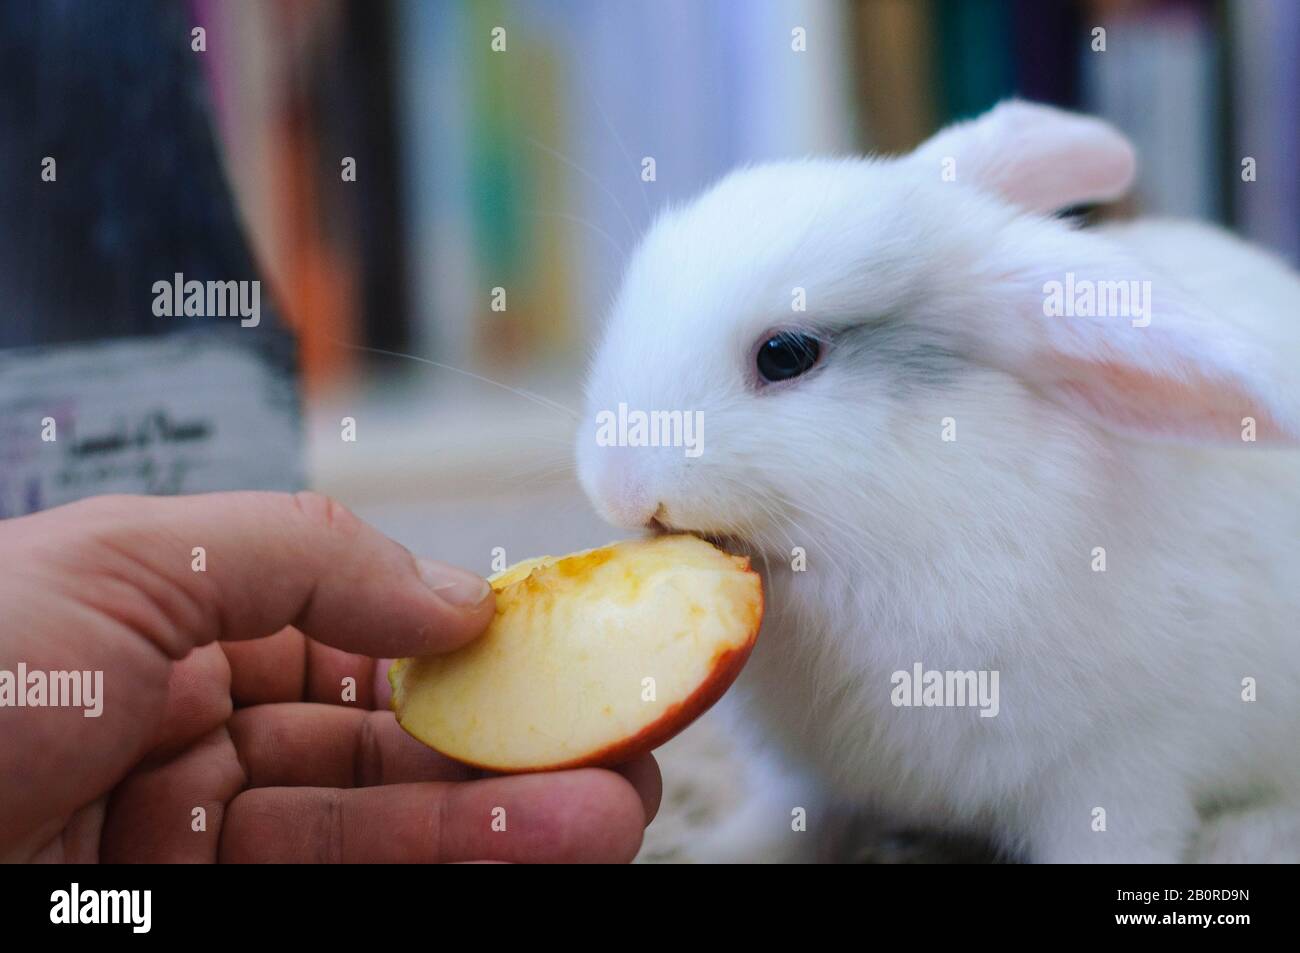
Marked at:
<point>592,658</point>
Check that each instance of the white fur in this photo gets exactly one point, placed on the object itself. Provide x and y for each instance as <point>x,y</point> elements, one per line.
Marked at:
<point>1120,689</point>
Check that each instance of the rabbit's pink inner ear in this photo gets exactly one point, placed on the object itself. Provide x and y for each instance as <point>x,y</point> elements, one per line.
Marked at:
<point>1092,166</point>
<point>1191,409</point>
<point>1036,157</point>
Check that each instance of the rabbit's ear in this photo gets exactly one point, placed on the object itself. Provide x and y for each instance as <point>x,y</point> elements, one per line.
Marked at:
<point>1127,347</point>
<point>1034,156</point>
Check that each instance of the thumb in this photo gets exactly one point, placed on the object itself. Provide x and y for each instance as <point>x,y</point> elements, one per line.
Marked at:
<point>244,565</point>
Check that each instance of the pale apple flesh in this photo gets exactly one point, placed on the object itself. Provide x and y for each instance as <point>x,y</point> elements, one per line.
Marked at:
<point>592,659</point>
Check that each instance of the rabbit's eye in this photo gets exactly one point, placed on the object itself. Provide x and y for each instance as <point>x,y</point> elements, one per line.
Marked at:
<point>787,355</point>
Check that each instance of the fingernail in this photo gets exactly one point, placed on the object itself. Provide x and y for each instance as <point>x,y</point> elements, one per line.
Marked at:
<point>452,584</point>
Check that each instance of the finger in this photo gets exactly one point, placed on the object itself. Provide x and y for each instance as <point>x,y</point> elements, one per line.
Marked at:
<point>235,566</point>
<point>305,744</point>
<point>382,687</point>
<point>267,670</point>
<point>298,744</point>
<point>590,816</point>
<point>643,774</point>
<point>173,812</point>
<point>198,701</point>
<point>335,677</point>
<point>289,667</point>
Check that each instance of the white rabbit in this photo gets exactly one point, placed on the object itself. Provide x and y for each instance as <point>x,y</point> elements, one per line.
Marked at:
<point>1072,501</point>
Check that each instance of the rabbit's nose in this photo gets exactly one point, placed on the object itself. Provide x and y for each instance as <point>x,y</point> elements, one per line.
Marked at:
<point>630,512</point>
<point>626,486</point>
<point>624,501</point>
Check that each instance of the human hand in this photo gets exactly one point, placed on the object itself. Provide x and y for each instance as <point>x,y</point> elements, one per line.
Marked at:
<point>255,739</point>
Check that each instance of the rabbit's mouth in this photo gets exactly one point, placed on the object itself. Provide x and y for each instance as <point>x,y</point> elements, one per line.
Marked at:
<point>735,545</point>
<point>727,542</point>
